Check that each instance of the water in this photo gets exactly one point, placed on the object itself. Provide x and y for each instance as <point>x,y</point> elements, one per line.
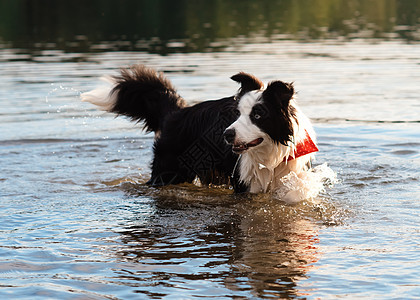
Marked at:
<point>77,220</point>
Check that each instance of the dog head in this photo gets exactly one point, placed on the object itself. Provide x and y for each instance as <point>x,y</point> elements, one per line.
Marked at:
<point>264,116</point>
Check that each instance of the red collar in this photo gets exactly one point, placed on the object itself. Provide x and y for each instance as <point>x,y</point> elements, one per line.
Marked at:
<point>304,147</point>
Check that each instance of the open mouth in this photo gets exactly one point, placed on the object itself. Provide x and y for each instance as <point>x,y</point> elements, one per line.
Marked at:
<point>239,148</point>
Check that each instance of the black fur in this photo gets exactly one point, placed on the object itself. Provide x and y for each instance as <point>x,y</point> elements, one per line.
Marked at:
<point>189,140</point>
<point>145,95</point>
<point>274,112</point>
<point>191,144</point>
<point>248,83</point>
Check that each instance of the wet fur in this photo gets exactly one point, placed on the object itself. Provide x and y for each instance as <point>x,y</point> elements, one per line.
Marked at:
<point>190,140</point>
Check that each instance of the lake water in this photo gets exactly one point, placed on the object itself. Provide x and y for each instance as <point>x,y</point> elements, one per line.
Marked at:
<point>78,222</point>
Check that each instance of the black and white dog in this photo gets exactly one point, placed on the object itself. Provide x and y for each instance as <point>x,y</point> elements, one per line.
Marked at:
<point>250,140</point>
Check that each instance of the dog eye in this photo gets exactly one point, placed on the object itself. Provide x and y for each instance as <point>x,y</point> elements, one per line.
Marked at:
<point>259,112</point>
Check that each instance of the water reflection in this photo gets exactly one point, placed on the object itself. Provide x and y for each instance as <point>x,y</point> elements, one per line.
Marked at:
<point>255,246</point>
<point>195,26</point>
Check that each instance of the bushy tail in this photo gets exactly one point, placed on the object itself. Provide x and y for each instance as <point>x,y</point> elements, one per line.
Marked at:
<point>140,93</point>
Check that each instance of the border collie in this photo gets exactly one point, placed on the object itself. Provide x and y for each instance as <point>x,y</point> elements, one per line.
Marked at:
<point>249,140</point>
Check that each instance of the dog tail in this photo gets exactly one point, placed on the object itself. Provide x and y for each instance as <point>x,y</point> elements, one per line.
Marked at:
<point>140,93</point>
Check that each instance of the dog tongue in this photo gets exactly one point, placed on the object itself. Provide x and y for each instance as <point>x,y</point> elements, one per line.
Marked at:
<point>305,147</point>
<point>255,142</point>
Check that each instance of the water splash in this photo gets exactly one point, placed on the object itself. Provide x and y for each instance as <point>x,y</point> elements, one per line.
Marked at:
<point>305,186</point>
<point>59,91</point>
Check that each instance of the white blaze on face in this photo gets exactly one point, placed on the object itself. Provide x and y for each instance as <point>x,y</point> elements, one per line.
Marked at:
<point>245,130</point>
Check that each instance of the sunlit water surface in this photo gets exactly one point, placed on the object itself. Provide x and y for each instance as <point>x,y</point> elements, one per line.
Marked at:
<point>77,220</point>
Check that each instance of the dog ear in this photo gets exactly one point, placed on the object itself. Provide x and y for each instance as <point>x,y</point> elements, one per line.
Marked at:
<point>248,83</point>
<point>279,91</point>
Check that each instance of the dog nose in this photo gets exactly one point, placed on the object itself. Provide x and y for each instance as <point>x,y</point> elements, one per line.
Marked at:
<point>229,135</point>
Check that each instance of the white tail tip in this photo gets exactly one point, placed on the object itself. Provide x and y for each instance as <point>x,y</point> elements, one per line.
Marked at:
<point>102,96</point>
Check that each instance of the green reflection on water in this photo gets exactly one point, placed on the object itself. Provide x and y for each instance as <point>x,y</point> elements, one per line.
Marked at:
<point>166,26</point>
